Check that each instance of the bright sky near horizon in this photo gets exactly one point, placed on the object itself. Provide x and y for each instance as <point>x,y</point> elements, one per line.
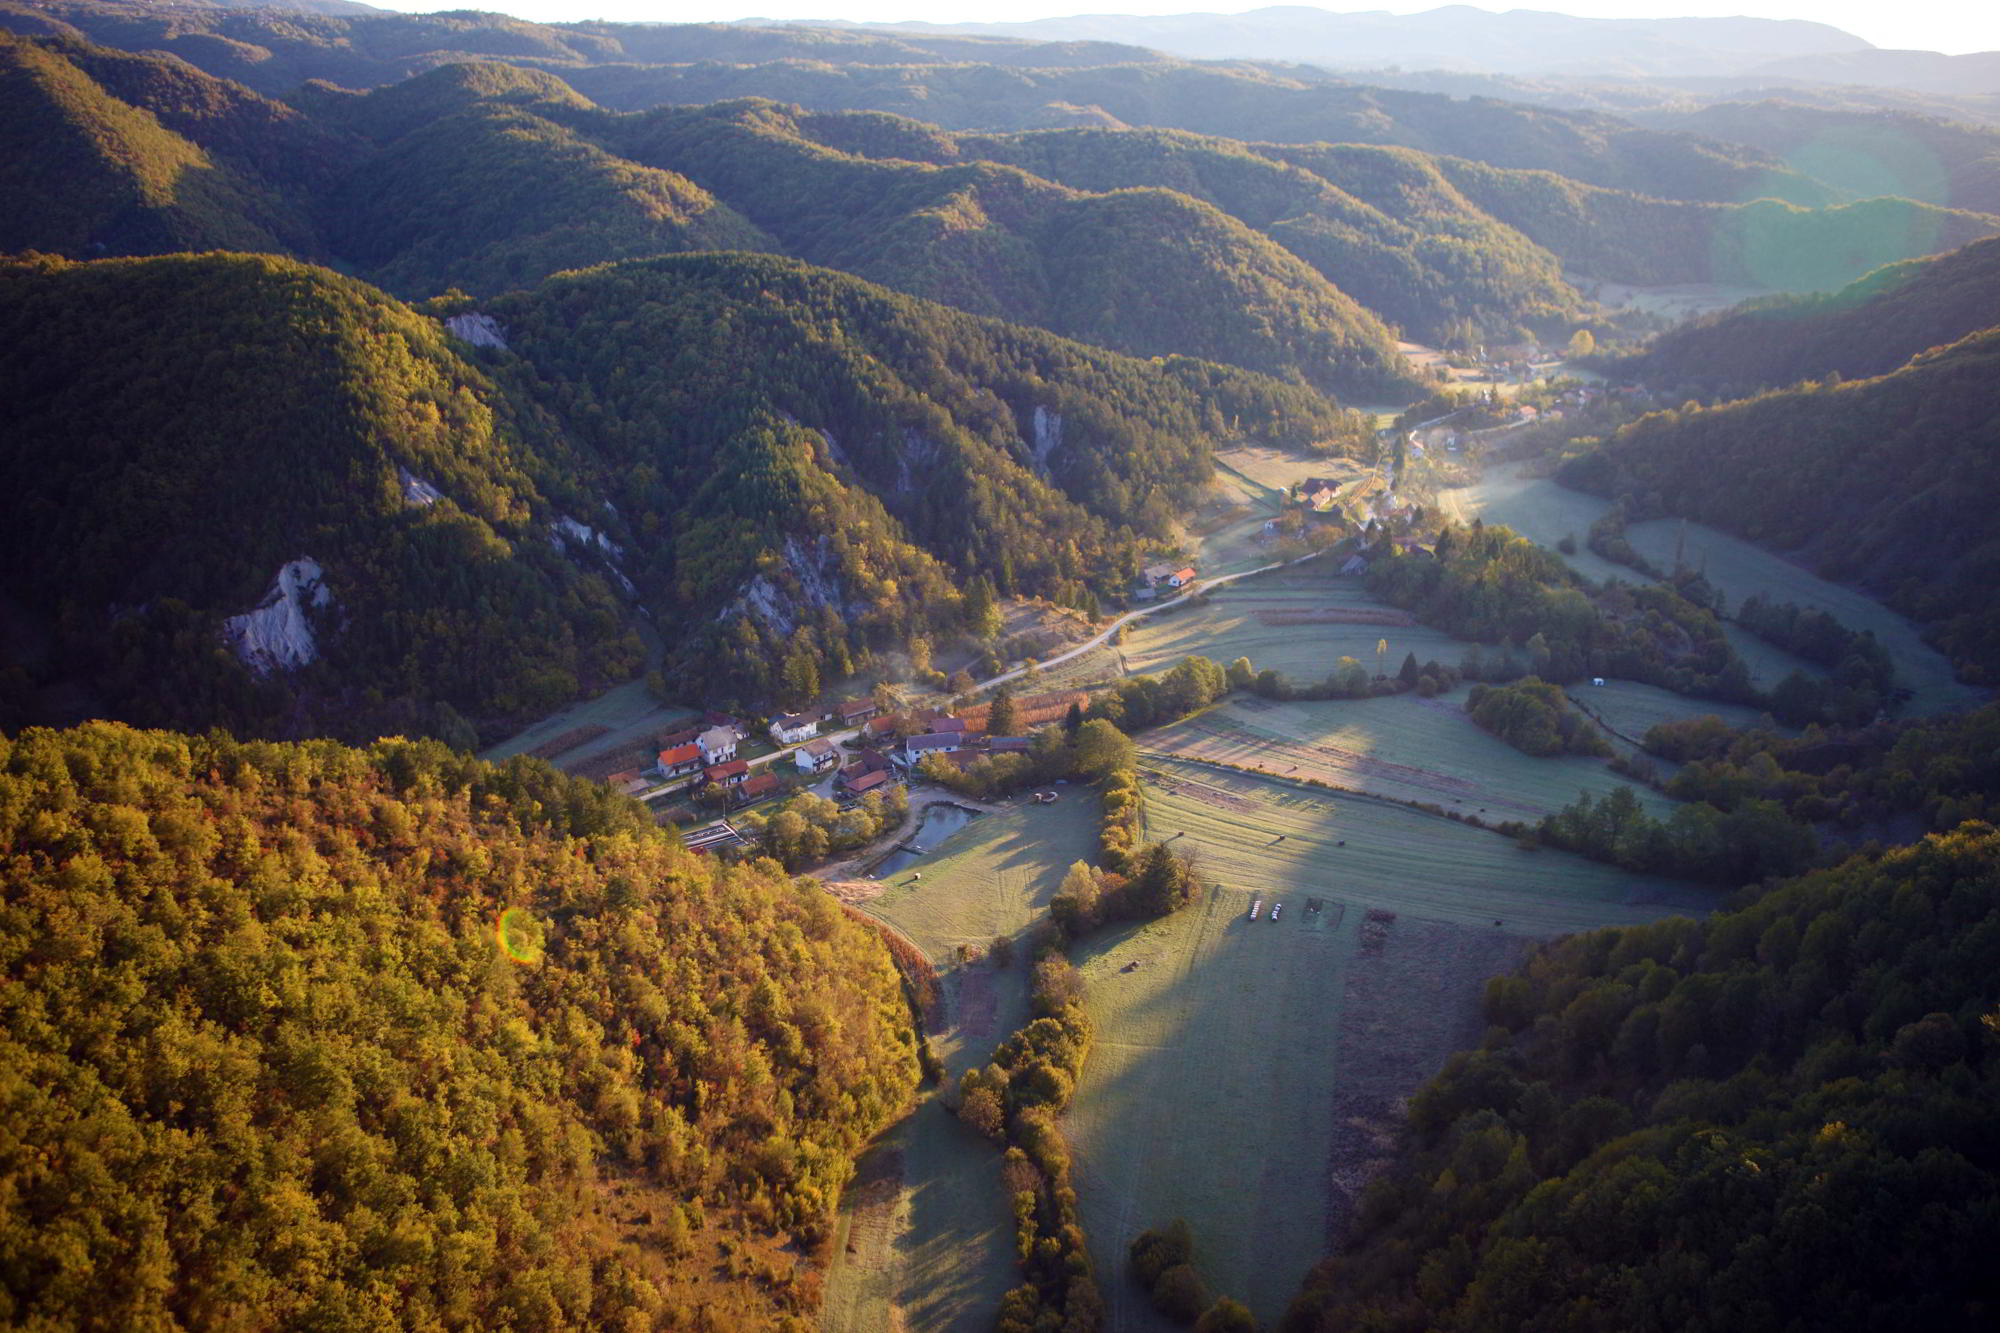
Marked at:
<point>1955,26</point>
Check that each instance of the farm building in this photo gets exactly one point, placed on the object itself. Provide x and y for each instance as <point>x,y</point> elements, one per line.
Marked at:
<point>1180,578</point>
<point>882,728</point>
<point>1008,744</point>
<point>862,783</point>
<point>718,744</point>
<point>791,728</point>
<point>853,712</point>
<point>935,742</point>
<point>731,774</point>
<point>756,788</point>
<point>1158,572</point>
<point>631,782</point>
<point>816,756</point>
<point>1319,492</point>
<point>681,760</point>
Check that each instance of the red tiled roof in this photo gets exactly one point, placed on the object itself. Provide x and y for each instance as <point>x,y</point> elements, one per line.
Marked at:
<point>679,755</point>
<point>735,768</point>
<point>865,781</point>
<point>759,785</point>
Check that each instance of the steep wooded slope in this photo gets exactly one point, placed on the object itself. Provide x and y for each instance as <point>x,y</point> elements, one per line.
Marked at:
<point>1869,328</point>
<point>1886,482</point>
<point>181,429</point>
<point>1771,1120</point>
<point>303,1036</point>
<point>83,172</point>
<point>772,459</point>
<point>842,440</point>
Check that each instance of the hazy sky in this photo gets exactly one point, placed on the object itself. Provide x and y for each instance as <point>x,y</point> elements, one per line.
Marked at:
<point>1929,25</point>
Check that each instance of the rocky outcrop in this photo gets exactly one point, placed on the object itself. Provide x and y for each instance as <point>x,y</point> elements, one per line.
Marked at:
<point>277,634</point>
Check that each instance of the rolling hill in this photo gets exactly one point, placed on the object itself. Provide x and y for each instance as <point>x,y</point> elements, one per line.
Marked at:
<point>1868,328</point>
<point>1884,482</point>
<point>769,458</point>
<point>302,1034</point>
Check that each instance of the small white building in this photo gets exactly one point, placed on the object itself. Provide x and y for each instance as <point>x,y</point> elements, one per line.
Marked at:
<point>792,728</point>
<point>816,756</point>
<point>717,745</point>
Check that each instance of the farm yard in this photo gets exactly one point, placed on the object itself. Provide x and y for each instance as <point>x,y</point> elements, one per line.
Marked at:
<point>1298,621</point>
<point>1247,1073</point>
<point>1402,747</point>
<point>926,1234</point>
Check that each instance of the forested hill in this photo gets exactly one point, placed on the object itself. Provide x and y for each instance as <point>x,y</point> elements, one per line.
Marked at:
<point>1885,482</point>
<point>182,430</point>
<point>959,82</point>
<point>432,536</point>
<point>1776,1119</point>
<point>1869,328</point>
<point>312,1037</point>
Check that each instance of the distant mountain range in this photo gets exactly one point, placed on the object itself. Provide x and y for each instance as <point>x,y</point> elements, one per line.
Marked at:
<point>1520,41</point>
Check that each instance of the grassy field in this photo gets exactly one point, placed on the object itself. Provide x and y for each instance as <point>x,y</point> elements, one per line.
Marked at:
<point>1545,512</point>
<point>1260,618</point>
<point>1405,748</point>
<point>1740,569</point>
<point>1631,709</point>
<point>926,1237</point>
<point>1247,1073</point>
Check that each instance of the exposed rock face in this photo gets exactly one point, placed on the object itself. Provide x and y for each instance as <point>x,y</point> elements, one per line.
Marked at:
<point>418,493</point>
<point>808,580</point>
<point>277,635</point>
<point>1048,436</point>
<point>479,330</point>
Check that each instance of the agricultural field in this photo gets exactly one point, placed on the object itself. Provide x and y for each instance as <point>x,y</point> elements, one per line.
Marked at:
<point>1401,747</point>
<point>1630,709</point>
<point>1740,569</point>
<point>1270,836</point>
<point>1544,512</point>
<point>1299,621</point>
<point>1247,1074</point>
<point>1539,510</point>
<point>926,1236</point>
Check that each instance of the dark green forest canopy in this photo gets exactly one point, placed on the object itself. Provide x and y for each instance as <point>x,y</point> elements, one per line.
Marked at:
<point>308,1036</point>
<point>1776,1119</point>
<point>1869,328</point>
<point>704,434</point>
<point>182,427</point>
<point>1886,482</point>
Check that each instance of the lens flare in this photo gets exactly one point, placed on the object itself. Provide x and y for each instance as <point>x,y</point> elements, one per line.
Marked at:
<point>519,935</point>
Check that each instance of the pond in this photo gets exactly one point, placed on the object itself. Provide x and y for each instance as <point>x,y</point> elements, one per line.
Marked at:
<point>941,820</point>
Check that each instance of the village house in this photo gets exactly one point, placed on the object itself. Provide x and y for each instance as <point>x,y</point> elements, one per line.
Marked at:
<point>932,742</point>
<point>755,789</point>
<point>816,756</point>
<point>882,728</point>
<point>718,744</point>
<point>682,760</point>
<point>853,712</point>
<point>732,774</point>
<point>792,728</point>
<point>862,783</point>
<point>1180,578</point>
<point>1319,492</point>
<point>673,740</point>
<point>1158,571</point>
